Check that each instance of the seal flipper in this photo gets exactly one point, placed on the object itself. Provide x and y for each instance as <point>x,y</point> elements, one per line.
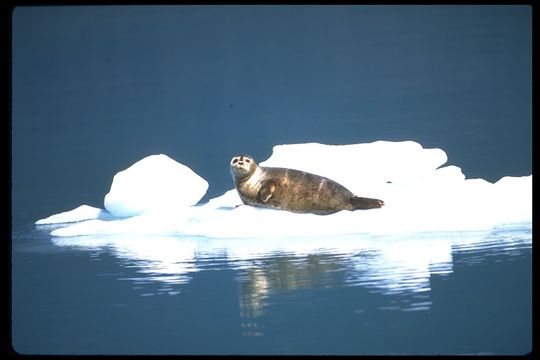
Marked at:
<point>365,203</point>
<point>267,190</point>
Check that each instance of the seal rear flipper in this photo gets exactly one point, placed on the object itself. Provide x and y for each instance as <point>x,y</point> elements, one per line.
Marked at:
<point>365,203</point>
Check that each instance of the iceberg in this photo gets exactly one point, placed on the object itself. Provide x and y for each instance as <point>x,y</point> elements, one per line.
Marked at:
<point>155,182</point>
<point>158,196</point>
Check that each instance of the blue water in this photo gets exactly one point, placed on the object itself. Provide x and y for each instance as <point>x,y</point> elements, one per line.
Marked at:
<point>95,89</point>
<point>461,293</point>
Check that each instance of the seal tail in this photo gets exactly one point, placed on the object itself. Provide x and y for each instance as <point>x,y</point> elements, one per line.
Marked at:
<point>365,203</point>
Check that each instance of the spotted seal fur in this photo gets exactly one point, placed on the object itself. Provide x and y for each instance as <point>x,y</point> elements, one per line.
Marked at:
<point>293,190</point>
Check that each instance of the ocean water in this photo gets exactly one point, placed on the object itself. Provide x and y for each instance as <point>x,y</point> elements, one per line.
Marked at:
<point>95,89</point>
<point>467,293</point>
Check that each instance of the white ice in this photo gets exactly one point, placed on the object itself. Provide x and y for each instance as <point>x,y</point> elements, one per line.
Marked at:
<point>83,212</point>
<point>156,182</point>
<point>157,197</point>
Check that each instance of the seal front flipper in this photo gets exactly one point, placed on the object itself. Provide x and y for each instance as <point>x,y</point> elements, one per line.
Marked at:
<point>267,189</point>
<point>365,203</point>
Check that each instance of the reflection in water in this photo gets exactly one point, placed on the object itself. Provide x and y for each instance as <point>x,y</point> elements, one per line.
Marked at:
<point>509,240</point>
<point>391,265</point>
<point>284,272</point>
<point>403,266</point>
<point>279,273</point>
<point>165,260</point>
<point>254,290</point>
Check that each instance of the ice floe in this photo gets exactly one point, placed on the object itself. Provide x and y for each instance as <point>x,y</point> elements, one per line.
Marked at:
<point>159,196</point>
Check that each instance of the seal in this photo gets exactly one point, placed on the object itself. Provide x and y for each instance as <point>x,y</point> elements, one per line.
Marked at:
<point>293,190</point>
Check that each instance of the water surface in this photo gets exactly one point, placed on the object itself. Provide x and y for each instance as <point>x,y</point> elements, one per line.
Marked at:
<point>438,293</point>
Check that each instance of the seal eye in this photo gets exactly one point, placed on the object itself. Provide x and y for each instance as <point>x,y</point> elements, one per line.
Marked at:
<point>235,160</point>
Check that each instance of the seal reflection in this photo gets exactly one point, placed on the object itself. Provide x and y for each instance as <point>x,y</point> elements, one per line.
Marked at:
<point>279,274</point>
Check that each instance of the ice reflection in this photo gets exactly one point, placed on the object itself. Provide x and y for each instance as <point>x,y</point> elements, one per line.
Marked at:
<point>285,272</point>
<point>399,267</point>
<point>165,260</point>
<point>507,239</point>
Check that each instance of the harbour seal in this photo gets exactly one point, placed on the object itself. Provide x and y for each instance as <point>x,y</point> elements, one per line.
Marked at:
<point>293,190</point>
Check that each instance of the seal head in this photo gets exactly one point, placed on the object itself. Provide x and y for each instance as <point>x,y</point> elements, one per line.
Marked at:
<point>242,167</point>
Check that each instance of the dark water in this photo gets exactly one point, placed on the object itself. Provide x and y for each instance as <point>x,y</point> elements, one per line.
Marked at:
<point>460,293</point>
<point>95,89</point>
